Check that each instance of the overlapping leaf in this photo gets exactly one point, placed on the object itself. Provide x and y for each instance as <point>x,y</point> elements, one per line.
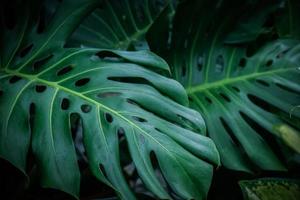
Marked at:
<point>238,74</point>
<point>118,24</point>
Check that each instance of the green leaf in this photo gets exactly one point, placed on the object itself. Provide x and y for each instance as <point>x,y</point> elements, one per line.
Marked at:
<point>118,24</point>
<point>112,95</point>
<point>289,136</point>
<point>242,89</point>
<point>270,189</point>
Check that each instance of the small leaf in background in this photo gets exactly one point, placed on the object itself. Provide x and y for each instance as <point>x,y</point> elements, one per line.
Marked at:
<point>289,135</point>
<point>270,189</point>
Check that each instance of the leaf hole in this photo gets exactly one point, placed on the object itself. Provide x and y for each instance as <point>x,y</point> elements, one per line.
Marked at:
<point>14,79</point>
<point>25,50</point>
<point>225,97</point>
<point>130,101</point>
<point>108,55</point>
<point>82,82</point>
<point>38,64</point>
<point>242,62</point>
<point>86,108</point>
<point>236,89</point>
<point>262,82</point>
<point>269,63</point>
<point>40,88</point>
<point>64,70</point>
<point>65,103</point>
<point>1,93</point>
<point>109,118</point>
<point>136,80</point>
<point>158,130</point>
<point>108,94</point>
<point>208,100</point>
<point>139,119</point>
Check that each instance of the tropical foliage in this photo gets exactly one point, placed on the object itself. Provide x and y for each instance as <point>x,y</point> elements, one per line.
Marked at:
<point>153,95</point>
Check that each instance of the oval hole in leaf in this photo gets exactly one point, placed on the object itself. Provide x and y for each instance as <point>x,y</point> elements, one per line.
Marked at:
<point>208,100</point>
<point>40,88</point>
<point>64,70</point>
<point>108,55</point>
<point>130,101</point>
<point>86,108</point>
<point>236,89</point>
<point>139,119</point>
<point>82,82</point>
<point>108,94</point>
<point>269,63</point>
<point>14,79</point>
<point>38,64</point>
<point>109,118</point>
<point>127,79</point>
<point>224,96</point>
<point>262,82</point>
<point>65,103</point>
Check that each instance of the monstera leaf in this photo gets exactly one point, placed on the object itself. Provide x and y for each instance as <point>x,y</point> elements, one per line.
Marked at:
<point>239,75</point>
<point>119,24</point>
<point>111,95</point>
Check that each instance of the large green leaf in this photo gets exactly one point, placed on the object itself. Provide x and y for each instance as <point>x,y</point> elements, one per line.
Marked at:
<point>238,75</point>
<point>117,24</point>
<point>111,95</point>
